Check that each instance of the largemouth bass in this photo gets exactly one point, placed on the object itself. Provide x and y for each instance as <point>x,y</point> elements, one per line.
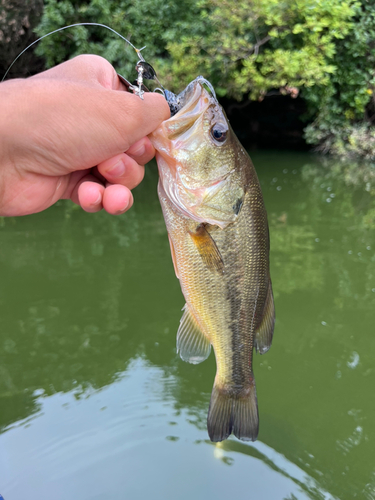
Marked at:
<point>218,231</point>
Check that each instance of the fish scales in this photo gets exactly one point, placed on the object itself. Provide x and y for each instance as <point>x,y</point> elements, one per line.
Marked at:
<point>223,268</point>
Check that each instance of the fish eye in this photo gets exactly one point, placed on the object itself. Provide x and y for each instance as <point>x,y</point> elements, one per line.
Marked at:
<point>219,133</point>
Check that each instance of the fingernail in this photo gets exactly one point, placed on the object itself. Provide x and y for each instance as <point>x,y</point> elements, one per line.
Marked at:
<point>98,199</point>
<point>119,212</point>
<point>138,151</point>
<point>118,170</point>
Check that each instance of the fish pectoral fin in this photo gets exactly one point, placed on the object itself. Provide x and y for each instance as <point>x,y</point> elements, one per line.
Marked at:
<point>207,249</point>
<point>192,345</point>
<point>264,333</point>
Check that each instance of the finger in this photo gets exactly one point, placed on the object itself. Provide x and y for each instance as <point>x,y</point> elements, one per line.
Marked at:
<point>90,196</point>
<point>121,169</point>
<point>140,117</point>
<point>117,199</point>
<point>88,193</point>
<point>142,151</point>
<point>89,68</point>
<point>73,181</point>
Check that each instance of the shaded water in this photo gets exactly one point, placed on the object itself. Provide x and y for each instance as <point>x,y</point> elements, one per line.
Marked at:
<point>94,402</point>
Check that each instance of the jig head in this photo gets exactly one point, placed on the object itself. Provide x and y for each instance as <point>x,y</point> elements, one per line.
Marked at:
<point>144,71</point>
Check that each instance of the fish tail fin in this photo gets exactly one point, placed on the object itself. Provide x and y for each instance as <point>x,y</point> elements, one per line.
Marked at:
<point>237,413</point>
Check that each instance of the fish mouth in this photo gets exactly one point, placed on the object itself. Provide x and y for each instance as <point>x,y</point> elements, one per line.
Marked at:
<point>176,103</point>
<point>189,106</point>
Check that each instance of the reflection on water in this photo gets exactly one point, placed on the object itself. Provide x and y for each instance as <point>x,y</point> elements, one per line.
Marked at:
<point>90,384</point>
<point>125,439</point>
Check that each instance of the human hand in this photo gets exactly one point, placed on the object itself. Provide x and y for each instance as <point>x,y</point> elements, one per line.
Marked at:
<point>72,132</point>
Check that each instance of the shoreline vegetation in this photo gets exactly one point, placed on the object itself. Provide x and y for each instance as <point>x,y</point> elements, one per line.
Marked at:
<point>320,52</point>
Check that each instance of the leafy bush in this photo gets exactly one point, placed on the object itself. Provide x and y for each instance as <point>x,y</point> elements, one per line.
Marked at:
<point>324,49</point>
<point>154,23</point>
<point>345,107</point>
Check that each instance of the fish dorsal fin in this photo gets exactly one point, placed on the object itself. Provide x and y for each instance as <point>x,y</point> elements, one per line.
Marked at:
<point>264,332</point>
<point>207,249</point>
<point>192,345</point>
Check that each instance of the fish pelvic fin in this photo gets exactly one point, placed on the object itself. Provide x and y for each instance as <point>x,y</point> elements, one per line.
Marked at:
<point>207,249</point>
<point>192,345</point>
<point>173,254</point>
<point>264,332</point>
<point>233,413</point>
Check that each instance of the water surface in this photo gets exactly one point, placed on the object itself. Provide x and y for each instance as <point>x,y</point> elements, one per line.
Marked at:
<point>94,401</point>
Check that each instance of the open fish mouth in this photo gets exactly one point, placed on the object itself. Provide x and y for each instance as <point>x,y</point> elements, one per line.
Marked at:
<point>176,103</point>
<point>194,172</point>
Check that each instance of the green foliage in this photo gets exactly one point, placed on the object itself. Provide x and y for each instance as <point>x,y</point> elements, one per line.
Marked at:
<point>247,47</point>
<point>342,139</point>
<point>346,105</point>
<point>143,23</point>
<point>251,47</point>
<point>324,49</point>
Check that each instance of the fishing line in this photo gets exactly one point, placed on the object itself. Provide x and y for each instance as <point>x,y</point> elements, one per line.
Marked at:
<point>138,51</point>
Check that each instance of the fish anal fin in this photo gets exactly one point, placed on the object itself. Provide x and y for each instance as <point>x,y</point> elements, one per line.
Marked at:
<point>192,345</point>
<point>237,413</point>
<point>207,249</point>
<point>173,254</point>
<point>264,332</point>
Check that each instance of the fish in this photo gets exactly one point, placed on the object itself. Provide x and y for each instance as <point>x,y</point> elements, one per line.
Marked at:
<point>218,232</point>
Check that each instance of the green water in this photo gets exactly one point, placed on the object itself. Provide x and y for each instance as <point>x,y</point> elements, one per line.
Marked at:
<point>95,403</point>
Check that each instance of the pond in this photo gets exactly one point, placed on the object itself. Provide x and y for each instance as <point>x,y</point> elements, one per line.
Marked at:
<point>94,401</point>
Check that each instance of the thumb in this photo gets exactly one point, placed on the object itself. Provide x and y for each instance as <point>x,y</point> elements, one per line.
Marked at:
<point>136,117</point>
<point>112,120</point>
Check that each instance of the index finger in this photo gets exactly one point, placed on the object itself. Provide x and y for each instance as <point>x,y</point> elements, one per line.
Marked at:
<point>85,68</point>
